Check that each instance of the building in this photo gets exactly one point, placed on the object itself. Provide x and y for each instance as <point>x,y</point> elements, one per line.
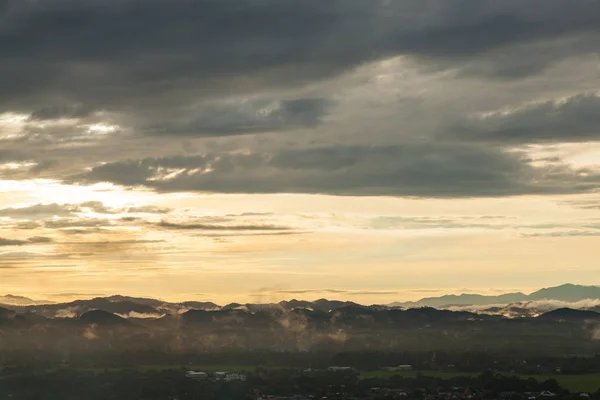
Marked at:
<point>234,376</point>
<point>196,375</point>
<point>341,369</point>
<point>403,367</point>
<point>230,376</point>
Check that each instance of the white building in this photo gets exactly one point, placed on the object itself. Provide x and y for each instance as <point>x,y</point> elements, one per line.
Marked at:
<point>196,375</point>
<point>230,376</point>
<point>234,376</point>
<point>340,369</point>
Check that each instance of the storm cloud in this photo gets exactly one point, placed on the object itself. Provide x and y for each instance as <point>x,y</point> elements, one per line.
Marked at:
<point>415,170</point>
<point>573,119</point>
<point>284,96</point>
<point>138,58</point>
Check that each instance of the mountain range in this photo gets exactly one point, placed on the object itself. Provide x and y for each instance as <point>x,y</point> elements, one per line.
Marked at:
<point>568,292</point>
<point>95,333</point>
<point>511,304</point>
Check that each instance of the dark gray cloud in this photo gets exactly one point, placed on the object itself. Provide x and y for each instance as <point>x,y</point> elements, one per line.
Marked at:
<point>138,57</point>
<point>124,77</point>
<point>241,117</point>
<point>574,119</point>
<point>10,156</point>
<point>427,169</point>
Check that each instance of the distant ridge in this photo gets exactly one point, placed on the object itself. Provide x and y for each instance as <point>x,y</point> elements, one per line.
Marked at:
<point>13,300</point>
<point>567,293</point>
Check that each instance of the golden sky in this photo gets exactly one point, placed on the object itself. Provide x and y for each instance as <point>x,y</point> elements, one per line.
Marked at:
<point>387,151</point>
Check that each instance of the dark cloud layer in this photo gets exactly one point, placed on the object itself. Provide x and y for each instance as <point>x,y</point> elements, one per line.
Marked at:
<point>126,55</point>
<point>413,170</point>
<point>574,119</point>
<point>259,116</point>
<point>158,72</point>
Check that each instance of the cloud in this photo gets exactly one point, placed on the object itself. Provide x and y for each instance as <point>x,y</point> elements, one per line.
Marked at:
<point>527,308</point>
<point>569,233</point>
<point>373,98</point>
<point>213,227</point>
<point>40,210</point>
<point>373,293</point>
<point>124,248</point>
<point>251,214</point>
<point>12,242</point>
<point>583,204</point>
<point>78,223</point>
<point>148,210</point>
<point>116,56</point>
<point>242,117</point>
<point>574,119</point>
<point>415,169</point>
<point>307,291</point>
<point>69,210</point>
<point>18,242</point>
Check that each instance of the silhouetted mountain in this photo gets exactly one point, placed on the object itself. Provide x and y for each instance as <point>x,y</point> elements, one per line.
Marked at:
<point>566,293</point>
<point>137,300</point>
<point>510,305</point>
<point>122,305</point>
<point>464,299</point>
<point>570,314</point>
<point>199,305</point>
<point>5,313</point>
<point>274,328</point>
<point>291,304</point>
<point>76,308</point>
<point>102,318</point>
<point>10,299</point>
<point>329,305</point>
<point>197,316</point>
<point>233,306</point>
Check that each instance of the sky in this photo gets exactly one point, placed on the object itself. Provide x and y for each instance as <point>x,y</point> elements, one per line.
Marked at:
<point>259,150</point>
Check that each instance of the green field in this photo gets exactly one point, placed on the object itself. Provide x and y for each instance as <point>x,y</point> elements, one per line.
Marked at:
<point>573,383</point>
